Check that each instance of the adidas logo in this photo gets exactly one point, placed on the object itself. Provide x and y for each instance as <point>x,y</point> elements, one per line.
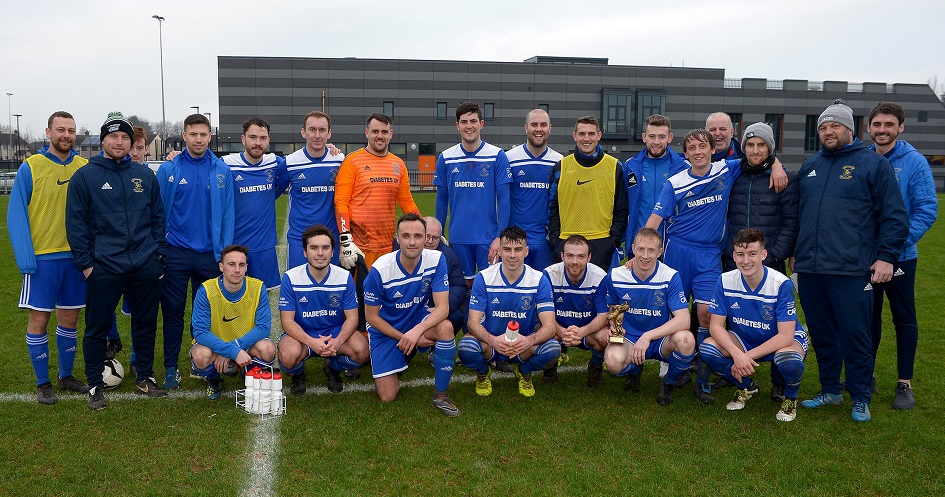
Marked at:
<point>495,300</point>
<point>690,194</point>
<point>446,368</point>
<point>397,295</point>
<point>239,177</point>
<point>170,179</point>
<point>560,299</point>
<point>626,296</point>
<point>735,306</point>
<point>70,349</point>
<point>183,181</point>
<point>106,186</point>
<point>367,168</point>
<point>521,173</point>
<point>42,356</point>
<point>303,300</point>
<point>868,287</point>
<point>899,272</point>
<point>812,174</point>
<point>302,176</point>
<point>455,170</point>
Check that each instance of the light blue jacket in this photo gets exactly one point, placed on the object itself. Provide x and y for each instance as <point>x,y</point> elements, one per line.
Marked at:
<point>918,191</point>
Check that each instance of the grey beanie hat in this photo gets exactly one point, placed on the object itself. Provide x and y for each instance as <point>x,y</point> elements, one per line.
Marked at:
<point>839,112</point>
<point>759,130</point>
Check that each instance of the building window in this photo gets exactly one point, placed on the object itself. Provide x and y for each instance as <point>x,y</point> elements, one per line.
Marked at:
<point>649,103</point>
<point>389,108</point>
<point>488,111</point>
<point>615,110</point>
<point>545,108</point>
<point>857,126</point>
<point>923,116</point>
<point>811,137</point>
<point>427,149</point>
<point>736,118</point>
<point>775,121</point>
<point>441,110</point>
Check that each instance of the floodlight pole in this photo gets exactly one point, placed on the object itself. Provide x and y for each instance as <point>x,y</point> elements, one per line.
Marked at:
<point>160,21</point>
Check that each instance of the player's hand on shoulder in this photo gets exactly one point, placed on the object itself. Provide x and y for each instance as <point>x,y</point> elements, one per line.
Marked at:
<point>172,154</point>
<point>332,149</point>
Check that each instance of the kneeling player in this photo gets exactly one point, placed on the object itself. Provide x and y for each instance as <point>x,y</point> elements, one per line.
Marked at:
<point>653,291</point>
<point>318,307</point>
<point>231,320</point>
<point>580,297</point>
<point>759,305</point>
<point>510,291</point>
<point>396,294</point>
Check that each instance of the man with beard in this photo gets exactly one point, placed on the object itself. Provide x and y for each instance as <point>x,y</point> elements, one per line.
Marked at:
<point>36,220</point>
<point>258,180</point>
<point>531,164</point>
<point>887,121</point>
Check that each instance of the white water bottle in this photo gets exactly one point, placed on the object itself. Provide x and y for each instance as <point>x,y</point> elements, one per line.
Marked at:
<point>276,394</point>
<point>511,332</point>
<point>248,393</point>
<point>265,393</point>
<point>254,403</point>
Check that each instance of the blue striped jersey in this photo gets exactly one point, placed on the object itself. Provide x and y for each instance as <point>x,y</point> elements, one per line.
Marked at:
<point>530,190</point>
<point>652,301</point>
<point>255,189</point>
<point>404,297</point>
<point>318,305</point>
<point>754,314</point>
<point>502,301</point>
<point>311,191</point>
<point>578,304</point>
<point>696,207</point>
<point>470,179</point>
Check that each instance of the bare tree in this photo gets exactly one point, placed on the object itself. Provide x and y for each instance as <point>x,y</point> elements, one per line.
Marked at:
<point>937,87</point>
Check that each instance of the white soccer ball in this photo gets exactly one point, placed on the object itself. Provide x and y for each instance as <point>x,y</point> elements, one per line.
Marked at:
<point>113,374</point>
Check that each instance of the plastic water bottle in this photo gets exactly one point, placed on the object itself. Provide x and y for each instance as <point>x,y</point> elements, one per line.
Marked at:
<point>276,394</point>
<point>265,393</point>
<point>247,398</point>
<point>511,332</point>
<point>254,403</point>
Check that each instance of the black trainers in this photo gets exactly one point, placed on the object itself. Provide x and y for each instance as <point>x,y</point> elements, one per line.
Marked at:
<point>353,373</point>
<point>777,393</point>
<point>97,400</point>
<point>231,369</point>
<point>904,398</point>
<point>297,388</point>
<point>71,383</point>
<point>665,397</point>
<point>113,348</point>
<point>148,386</point>
<point>503,366</point>
<point>704,393</point>
<point>594,375</point>
<point>633,383</point>
<point>45,394</point>
<point>334,379</point>
<point>550,374</point>
<point>683,379</point>
<point>214,388</point>
<point>720,382</point>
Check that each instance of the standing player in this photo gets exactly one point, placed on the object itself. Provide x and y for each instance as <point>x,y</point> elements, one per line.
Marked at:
<point>312,172</point>
<point>759,305</point>
<point>588,196</point>
<point>722,129</point>
<point>579,289</point>
<point>853,223</point>
<point>318,307</point>
<point>396,294</point>
<point>231,321</point>
<point>502,293</point>
<point>472,180</point>
<point>36,218</point>
<point>886,121</point>
<point>695,202</point>
<point>531,164</point>
<point>258,180</point>
<point>197,191</point>
<point>371,183</point>
<point>654,292</point>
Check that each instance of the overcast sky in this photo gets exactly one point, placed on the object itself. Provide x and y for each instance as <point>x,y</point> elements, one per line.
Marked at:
<point>94,57</point>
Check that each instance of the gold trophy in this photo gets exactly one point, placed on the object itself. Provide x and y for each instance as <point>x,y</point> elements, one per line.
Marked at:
<point>615,316</point>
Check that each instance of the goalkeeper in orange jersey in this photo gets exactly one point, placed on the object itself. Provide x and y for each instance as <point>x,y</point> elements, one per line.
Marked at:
<point>370,182</point>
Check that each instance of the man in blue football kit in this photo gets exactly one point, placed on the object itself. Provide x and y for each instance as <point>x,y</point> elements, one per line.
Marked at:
<point>472,182</point>
<point>759,305</point>
<point>653,292</point>
<point>579,289</point>
<point>531,164</point>
<point>318,307</point>
<point>503,296</point>
<point>695,202</point>
<point>258,180</point>
<point>197,192</point>
<point>397,292</point>
<point>312,172</point>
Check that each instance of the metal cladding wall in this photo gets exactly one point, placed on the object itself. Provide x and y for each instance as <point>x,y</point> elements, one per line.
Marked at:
<point>282,90</point>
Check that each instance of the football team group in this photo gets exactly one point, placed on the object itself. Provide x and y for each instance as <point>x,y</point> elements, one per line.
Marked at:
<point>532,266</point>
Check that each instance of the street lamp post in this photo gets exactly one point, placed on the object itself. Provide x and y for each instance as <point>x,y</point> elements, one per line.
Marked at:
<point>17,116</point>
<point>160,21</point>
<point>10,119</point>
<point>211,129</point>
<point>196,107</point>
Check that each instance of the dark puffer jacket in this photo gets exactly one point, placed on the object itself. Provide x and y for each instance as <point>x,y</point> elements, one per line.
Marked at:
<point>753,205</point>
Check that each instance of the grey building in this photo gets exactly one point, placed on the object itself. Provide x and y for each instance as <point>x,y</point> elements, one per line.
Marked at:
<point>422,95</point>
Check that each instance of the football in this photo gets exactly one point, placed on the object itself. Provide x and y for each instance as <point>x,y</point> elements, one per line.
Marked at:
<point>113,374</point>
